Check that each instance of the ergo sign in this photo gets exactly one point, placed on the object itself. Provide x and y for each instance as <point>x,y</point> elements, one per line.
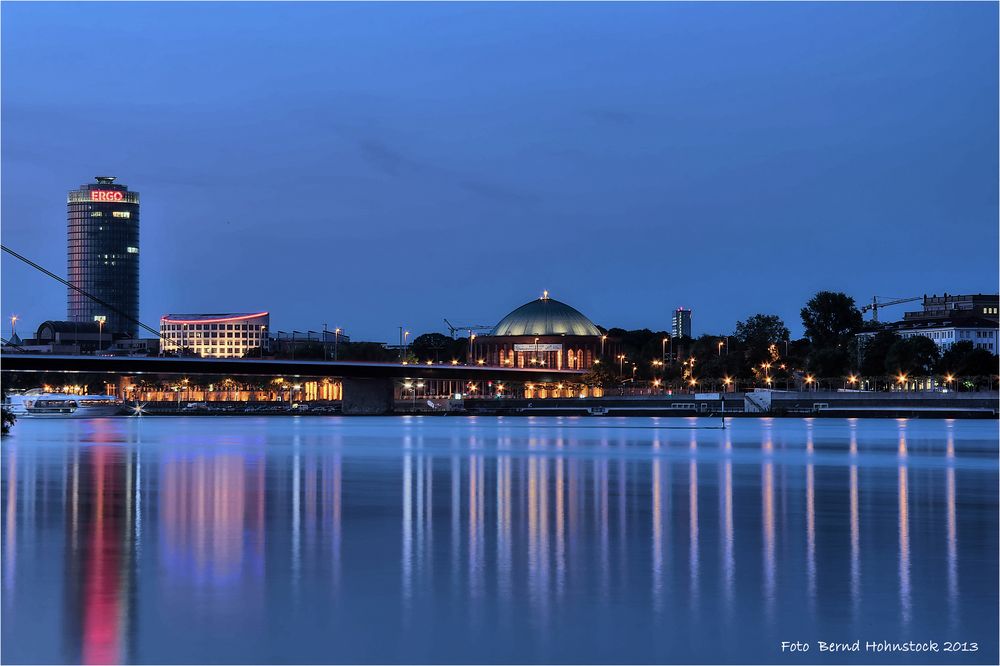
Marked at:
<point>106,195</point>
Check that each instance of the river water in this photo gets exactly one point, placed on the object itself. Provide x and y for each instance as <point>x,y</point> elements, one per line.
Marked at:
<point>506,540</point>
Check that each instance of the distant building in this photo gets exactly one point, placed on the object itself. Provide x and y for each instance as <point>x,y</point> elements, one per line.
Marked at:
<point>680,323</point>
<point>69,337</point>
<point>103,255</point>
<point>543,333</point>
<point>950,305</point>
<point>949,319</point>
<point>214,335</point>
<point>289,344</point>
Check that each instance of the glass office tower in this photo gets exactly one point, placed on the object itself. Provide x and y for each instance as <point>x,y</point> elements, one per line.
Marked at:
<point>103,255</point>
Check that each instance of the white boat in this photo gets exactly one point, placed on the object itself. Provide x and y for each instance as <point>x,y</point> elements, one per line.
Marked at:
<point>38,403</point>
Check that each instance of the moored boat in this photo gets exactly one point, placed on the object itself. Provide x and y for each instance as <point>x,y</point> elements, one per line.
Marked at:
<point>37,403</point>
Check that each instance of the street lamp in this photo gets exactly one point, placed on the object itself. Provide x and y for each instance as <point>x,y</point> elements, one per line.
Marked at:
<point>726,381</point>
<point>13,323</point>
<point>604,339</point>
<point>100,331</point>
<point>809,380</point>
<point>720,347</point>
<point>621,364</point>
<point>663,350</point>
<point>949,379</point>
<point>336,339</point>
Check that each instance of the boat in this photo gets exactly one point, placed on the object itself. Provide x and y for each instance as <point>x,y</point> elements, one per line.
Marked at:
<point>39,403</point>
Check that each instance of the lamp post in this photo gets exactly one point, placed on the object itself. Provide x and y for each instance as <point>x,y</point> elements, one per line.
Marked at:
<point>472,342</point>
<point>536,348</point>
<point>336,339</point>
<point>13,326</point>
<point>100,332</point>
<point>621,364</point>
<point>720,347</point>
<point>604,339</point>
<point>663,350</point>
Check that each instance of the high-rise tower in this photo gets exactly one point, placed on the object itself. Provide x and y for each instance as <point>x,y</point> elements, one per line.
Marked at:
<point>103,255</point>
<point>680,323</point>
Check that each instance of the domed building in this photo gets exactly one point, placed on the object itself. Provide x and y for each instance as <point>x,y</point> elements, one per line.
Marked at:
<point>543,333</point>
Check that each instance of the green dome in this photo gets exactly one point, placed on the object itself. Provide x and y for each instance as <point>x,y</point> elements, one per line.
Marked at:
<point>545,316</point>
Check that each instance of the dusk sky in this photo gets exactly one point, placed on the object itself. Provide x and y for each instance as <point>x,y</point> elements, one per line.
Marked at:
<point>376,165</point>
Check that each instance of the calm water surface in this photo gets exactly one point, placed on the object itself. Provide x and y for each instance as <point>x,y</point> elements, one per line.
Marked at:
<point>204,539</point>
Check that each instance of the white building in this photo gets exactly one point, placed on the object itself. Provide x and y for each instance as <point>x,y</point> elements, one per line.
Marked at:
<point>214,335</point>
<point>982,334</point>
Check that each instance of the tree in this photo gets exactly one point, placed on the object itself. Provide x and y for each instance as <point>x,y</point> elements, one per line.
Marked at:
<point>830,319</point>
<point>366,351</point>
<point>600,374</point>
<point>874,353</point>
<point>829,362</point>
<point>437,347</point>
<point>912,356</point>
<point>963,359</point>
<point>760,335</point>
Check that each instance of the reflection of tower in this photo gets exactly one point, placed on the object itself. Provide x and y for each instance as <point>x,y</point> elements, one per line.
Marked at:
<point>99,573</point>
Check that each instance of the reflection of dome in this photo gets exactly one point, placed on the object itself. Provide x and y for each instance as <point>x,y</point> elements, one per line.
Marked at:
<point>545,316</point>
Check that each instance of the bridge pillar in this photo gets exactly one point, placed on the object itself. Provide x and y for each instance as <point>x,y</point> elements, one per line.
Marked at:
<point>366,396</point>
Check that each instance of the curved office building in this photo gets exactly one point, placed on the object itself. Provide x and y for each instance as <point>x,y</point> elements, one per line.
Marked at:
<point>103,255</point>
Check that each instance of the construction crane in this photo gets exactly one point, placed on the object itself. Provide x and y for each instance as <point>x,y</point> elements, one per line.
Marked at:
<point>884,303</point>
<point>470,328</point>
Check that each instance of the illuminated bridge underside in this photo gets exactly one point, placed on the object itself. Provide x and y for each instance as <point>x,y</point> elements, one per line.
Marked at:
<point>360,379</point>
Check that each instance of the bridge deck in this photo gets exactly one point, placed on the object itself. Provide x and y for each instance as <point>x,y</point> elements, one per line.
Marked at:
<point>134,365</point>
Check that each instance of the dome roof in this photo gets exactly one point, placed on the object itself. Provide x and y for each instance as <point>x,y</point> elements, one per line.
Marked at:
<point>545,316</point>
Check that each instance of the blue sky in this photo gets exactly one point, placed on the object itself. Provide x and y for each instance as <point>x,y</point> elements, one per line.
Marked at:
<point>376,165</point>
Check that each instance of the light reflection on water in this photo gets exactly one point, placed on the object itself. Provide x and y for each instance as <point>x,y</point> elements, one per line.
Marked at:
<point>493,540</point>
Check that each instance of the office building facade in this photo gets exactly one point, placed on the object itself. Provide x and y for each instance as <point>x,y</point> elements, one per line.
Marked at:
<point>103,256</point>
<point>950,319</point>
<point>680,323</point>
<point>214,335</point>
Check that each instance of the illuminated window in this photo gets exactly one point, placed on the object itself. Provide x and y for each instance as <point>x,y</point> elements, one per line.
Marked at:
<point>122,213</point>
<point>97,213</point>
<point>132,250</point>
